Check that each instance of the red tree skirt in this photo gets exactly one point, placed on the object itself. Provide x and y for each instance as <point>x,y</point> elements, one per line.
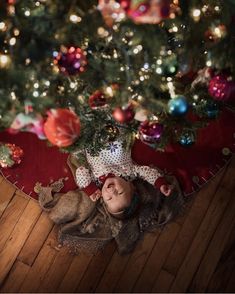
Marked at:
<point>40,163</point>
<point>193,166</point>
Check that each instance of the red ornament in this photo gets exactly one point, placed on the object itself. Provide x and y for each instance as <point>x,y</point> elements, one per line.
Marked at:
<point>62,127</point>
<point>71,61</point>
<point>221,88</point>
<point>124,115</point>
<point>146,11</point>
<point>97,100</point>
<point>150,131</point>
<point>140,11</point>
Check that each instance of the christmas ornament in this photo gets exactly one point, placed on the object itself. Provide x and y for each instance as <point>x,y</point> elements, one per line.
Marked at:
<point>71,61</point>
<point>111,132</point>
<point>29,123</point>
<point>10,154</point>
<point>178,106</point>
<point>62,127</point>
<point>97,100</point>
<point>140,11</point>
<point>150,131</point>
<point>124,115</point>
<point>146,11</point>
<point>221,87</point>
<point>187,138</point>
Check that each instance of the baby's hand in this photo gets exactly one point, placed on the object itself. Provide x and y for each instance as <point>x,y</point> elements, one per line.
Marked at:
<point>166,189</point>
<point>96,195</point>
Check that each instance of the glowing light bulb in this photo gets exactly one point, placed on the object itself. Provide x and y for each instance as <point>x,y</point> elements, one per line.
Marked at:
<point>4,61</point>
<point>3,26</point>
<point>75,18</point>
<point>196,13</point>
<point>12,41</point>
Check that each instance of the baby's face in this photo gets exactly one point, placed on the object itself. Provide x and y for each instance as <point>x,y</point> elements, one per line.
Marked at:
<point>117,194</point>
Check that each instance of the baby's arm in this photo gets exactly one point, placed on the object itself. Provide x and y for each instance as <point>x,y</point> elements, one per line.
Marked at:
<point>85,183</point>
<point>154,177</point>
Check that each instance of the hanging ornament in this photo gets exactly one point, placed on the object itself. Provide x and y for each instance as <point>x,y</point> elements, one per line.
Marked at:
<point>150,132</point>
<point>111,132</point>
<point>70,61</point>
<point>97,100</point>
<point>187,138</point>
<point>10,154</point>
<point>221,87</point>
<point>62,127</point>
<point>147,11</point>
<point>124,114</point>
<point>140,11</point>
<point>178,106</point>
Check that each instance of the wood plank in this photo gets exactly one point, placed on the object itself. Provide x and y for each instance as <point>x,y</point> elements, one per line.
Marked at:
<point>214,251</point>
<point>10,217</point>
<point>42,264</point>
<point>157,258</point>
<point>136,263</point>
<point>191,224</point>
<point>56,272</point>
<point>75,273</point>
<point>6,194</point>
<point>36,239</point>
<point>225,267</point>
<point>163,282</point>
<point>215,211</point>
<point>95,269</point>
<point>18,238</point>
<point>15,278</point>
<point>112,273</point>
<point>230,288</point>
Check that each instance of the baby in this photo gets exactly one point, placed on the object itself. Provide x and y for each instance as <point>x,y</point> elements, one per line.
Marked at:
<point>110,175</point>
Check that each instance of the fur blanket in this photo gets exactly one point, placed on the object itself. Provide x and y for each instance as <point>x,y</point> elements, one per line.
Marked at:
<point>87,226</point>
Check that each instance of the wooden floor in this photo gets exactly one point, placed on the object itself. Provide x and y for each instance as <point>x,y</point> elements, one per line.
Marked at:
<point>193,254</point>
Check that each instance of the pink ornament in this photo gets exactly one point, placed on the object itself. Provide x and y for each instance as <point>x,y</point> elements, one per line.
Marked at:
<point>221,88</point>
<point>71,61</point>
<point>150,132</point>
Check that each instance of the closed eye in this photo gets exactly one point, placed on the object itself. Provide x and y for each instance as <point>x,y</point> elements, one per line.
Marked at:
<point>120,193</point>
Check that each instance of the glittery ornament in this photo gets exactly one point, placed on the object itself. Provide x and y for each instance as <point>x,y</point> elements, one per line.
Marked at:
<point>124,115</point>
<point>140,11</point>
<point>111,132</point>
<point>71,61</point>
<point>146,11</point>
<point>62,127</point>
<point>221,87</point>
<point>10,154</point>
<point>97,100</point>
<point>150,131</point>
<point>187,138</point>
<point>178,106</point>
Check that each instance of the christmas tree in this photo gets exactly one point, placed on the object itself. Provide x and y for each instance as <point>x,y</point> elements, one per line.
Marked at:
<point>80,73</point>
